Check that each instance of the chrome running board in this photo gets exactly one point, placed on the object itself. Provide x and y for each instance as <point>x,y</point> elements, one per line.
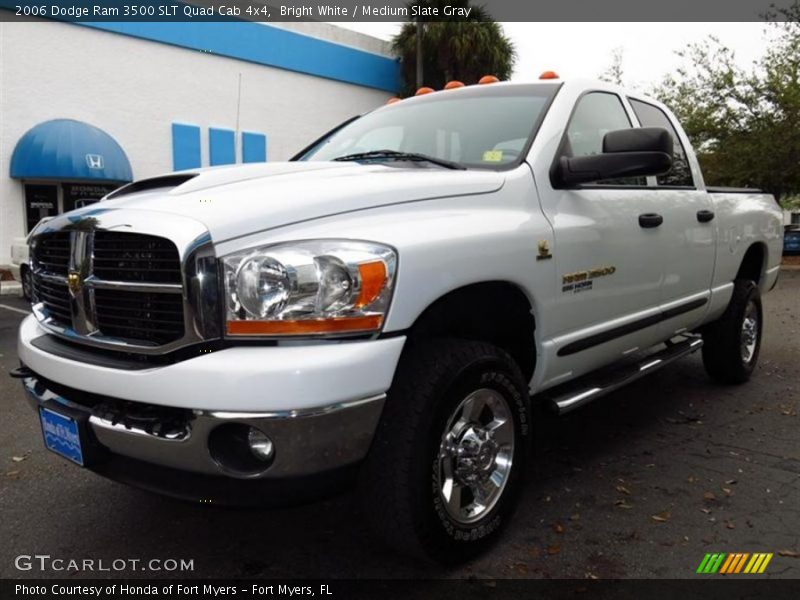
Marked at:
<point>572,395</point>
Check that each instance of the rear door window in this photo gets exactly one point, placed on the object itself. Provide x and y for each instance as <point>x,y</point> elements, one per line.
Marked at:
<point>680,175</point>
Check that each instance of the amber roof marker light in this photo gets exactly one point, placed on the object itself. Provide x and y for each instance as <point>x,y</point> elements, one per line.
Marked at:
<point>424,90</point>
<point>549,75</point>
<point>488,79</point>
<point>452,85</point>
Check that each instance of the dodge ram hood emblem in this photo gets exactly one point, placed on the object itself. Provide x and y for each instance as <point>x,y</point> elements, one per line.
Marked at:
<point>74,282</point>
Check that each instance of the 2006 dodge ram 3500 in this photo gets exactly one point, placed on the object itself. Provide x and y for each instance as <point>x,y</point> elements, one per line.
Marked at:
<point>391,306</point>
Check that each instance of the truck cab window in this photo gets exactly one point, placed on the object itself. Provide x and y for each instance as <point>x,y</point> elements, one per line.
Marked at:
<point>651,116</point>
<point>384,138</point>
<point>595,115</point>
<point>477,127</point>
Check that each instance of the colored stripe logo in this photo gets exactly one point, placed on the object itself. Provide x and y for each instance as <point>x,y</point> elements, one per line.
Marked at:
<point>734,563</point>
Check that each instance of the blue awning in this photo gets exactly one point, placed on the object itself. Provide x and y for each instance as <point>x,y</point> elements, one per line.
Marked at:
<point>69,150</point>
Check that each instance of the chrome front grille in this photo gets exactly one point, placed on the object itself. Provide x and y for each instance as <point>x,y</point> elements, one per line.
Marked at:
<point>55,297</point>
<point>53,253</point>
<point>135,281</point>
<point>153,317</point>
<point>120,256</point>
<point>110,286</point>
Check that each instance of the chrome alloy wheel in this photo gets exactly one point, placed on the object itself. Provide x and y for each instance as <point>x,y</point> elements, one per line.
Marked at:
<point>475,455</point>
<point>749,337</point>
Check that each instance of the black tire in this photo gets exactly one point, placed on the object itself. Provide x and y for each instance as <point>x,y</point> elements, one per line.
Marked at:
<point>724,355</point>
<point>27,283</point>
<point>400,478</point>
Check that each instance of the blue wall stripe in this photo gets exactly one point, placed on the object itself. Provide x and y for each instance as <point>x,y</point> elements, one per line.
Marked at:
<point>254,147</point>
<point>267,45</point>
<point>222,147</point>
<point>185,146</point>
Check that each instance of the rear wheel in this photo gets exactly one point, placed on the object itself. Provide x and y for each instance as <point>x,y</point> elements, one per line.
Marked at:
<point>732,343</point>
<point>447,461</point>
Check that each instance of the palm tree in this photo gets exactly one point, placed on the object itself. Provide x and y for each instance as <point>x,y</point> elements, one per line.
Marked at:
<point>453,48</point>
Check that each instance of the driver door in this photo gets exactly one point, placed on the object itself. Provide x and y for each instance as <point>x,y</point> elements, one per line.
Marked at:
<point>607,262</point>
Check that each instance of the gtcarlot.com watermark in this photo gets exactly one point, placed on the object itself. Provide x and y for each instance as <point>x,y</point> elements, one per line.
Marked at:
<point>46,562</point>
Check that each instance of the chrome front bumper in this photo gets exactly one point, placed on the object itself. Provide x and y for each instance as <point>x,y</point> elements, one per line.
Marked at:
<point>306,442</point>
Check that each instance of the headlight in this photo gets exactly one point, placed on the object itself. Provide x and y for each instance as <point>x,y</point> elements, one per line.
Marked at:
<point>308,288</point>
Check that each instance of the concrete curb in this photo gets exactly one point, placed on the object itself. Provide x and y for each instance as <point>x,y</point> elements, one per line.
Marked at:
<point>8,285</point>
<point>11,288</point>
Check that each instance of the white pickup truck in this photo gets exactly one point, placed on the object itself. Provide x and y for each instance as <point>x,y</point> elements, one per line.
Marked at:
<point>392,306</point>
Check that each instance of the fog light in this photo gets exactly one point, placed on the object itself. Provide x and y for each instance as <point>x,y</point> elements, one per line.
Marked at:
<point>240,449</point>
<point>260,445</point>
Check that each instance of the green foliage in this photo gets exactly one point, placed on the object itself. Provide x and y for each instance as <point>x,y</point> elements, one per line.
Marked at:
<point>791,203</point>
<point>459,49</point>
<point>615,72</point>
<point>744,124</point>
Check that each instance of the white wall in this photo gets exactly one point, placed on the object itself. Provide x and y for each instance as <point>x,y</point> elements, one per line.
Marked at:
<point>336,34</point>
<point>135,89</point>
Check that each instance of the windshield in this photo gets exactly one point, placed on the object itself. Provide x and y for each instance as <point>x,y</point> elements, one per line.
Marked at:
<point>477,127</point>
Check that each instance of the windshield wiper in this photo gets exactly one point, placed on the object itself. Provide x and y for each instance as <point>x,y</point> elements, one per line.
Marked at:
<point>396,155</point>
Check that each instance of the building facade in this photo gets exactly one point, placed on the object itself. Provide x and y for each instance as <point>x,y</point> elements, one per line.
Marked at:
<point>87,107</point>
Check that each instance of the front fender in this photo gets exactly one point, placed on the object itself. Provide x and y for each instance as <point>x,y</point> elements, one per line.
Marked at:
<point>446,243</point>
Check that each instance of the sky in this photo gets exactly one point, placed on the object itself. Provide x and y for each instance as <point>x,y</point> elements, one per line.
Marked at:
<point>585,49</point>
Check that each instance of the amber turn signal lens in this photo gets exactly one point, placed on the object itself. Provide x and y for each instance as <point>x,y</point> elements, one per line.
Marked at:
<point>306,327</point>
<point>373,277</point>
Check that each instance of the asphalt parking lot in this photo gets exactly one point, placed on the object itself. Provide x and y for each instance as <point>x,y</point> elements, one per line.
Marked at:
<point>641,484</point>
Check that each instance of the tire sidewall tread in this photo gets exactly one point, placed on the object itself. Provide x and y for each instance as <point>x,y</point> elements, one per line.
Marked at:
<point>722,339</point>
<point>398,480</point>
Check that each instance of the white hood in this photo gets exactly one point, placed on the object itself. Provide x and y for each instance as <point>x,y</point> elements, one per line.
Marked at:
<point>240,200</point>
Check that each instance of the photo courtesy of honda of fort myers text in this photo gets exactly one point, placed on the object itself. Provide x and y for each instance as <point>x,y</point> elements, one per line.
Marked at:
<point>352,300</point>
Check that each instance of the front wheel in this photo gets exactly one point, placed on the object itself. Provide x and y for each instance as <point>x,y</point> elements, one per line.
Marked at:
<point>732,343</point>
<point>448,458</point>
